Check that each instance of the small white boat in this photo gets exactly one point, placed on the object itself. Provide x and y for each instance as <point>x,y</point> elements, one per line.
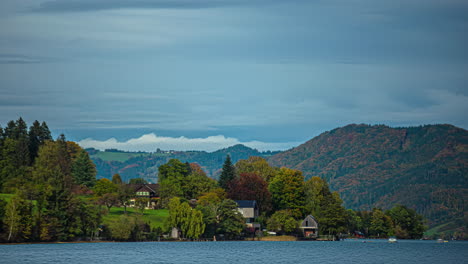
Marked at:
<point>392,240</point>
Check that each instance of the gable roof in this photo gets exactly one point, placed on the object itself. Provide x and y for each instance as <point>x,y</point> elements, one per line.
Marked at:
<point>154,188</point>
<point>246,203</point>
<point>309,222</point>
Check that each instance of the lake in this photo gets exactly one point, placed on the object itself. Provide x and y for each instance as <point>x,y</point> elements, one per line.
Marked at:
<point>349,251</point>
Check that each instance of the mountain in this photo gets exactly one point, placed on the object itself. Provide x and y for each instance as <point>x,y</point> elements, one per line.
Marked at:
<point>145,165</point>
<point>424,167</point>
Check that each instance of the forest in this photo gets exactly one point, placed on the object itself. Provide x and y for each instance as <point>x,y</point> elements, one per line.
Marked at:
<point>49,192</point>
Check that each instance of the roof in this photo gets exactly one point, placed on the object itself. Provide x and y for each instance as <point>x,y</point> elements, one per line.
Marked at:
<point>148,187</point>
<point>309,222</point>
<point>246,203</point>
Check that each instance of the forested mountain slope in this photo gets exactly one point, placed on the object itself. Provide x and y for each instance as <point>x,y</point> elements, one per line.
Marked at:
<point>145,165</point>
<point>422,167</point>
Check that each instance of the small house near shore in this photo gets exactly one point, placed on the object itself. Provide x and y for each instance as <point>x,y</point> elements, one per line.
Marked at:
<point>249,210</point>
<point>309,227</point>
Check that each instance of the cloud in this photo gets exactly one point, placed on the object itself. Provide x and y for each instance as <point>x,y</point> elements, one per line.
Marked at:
<point>94,5</point>
<point>151,142</point>
<point>23,59</point>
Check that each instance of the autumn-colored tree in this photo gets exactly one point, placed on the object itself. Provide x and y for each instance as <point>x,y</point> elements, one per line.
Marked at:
<point>116,179</point>
<point>257,165</point>
<point>104,186</point>
<point>250,186</point>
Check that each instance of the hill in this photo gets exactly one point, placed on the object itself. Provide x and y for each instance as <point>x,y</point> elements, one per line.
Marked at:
<point>424,167</point>
<point>145,165</point>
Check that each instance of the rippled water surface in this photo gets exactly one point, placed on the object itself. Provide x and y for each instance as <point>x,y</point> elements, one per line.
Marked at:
<point>350,251</point>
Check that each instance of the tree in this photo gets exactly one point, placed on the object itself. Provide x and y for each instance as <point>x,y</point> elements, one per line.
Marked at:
<point>173,169</point>
<point>332,217</point>
<point>196,227</point>
<point>175,182</point>
<point>125,192</point>
<point>10,165</point>
<point>45,132</point>
<point>35,139</point>
<point>257,165</point>
<point>104,186</point>
<point>197,183</point>
<point>189,221</point>
<point>316,191</point>
<point>282,221</point>
<point>116,179</point>
<point>287,190</point>
<point>230,222</point>
<point>138,181</point>
<point>406,222</point>
<point>122,228</point>
<point>18,219</point>
<point>109,200</point>
<point>325,206</point>
<point>381,224</point>
<point>84,170</point>
<point>227,174</point>
<point>250,186</point>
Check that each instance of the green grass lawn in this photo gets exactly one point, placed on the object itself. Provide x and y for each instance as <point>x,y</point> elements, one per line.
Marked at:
<point>155,218</point>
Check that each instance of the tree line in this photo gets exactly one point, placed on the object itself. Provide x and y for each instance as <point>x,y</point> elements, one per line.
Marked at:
<point>283,197</point>
<point>50,193</point>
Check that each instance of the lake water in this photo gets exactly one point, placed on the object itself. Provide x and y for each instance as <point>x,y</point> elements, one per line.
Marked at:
<point>349,251</point>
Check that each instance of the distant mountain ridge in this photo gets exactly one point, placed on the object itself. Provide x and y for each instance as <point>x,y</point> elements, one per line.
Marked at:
<point>145,165</point>
<point>423,167</point>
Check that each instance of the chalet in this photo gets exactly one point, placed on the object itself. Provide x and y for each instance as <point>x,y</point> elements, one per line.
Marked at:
<point>148,191</point>
<point>249,210</point>
<point>309,227</point>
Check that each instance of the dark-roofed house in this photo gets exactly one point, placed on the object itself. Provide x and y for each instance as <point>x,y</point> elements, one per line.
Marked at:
<point>309,227</point>
<point>149,191</point>
<point>249,210</point>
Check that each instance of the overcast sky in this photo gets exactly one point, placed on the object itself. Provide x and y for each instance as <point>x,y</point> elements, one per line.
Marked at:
<point>206,74</point>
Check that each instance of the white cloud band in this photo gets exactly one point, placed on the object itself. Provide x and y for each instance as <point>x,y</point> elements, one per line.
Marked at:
<point>151,142</point>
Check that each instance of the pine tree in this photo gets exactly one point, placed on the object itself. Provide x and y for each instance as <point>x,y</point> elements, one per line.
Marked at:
<point>34,137</point>
<point>10,129</point>
<point>45,133</point>
<point>228,173</point>
<point>83,170</point>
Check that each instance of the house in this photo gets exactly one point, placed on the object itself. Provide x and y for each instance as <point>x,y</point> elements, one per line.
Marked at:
<point>249,210</point>
<point>146,191</point>
<point>309,227</point>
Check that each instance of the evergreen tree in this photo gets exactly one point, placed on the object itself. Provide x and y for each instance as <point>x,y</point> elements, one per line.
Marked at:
<point>45,133</point>
<point>228,173</point>
<point>84,170</point>
<point>10,130</point>
<point>34,137</point>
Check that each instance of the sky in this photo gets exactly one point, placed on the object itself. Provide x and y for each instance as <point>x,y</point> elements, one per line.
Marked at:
<point>207,74</point>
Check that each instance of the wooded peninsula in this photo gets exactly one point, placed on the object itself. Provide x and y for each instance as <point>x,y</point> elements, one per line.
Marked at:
<point>49,192</point>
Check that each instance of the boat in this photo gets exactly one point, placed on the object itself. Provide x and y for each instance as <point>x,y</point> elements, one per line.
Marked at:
<point>392,240</point>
